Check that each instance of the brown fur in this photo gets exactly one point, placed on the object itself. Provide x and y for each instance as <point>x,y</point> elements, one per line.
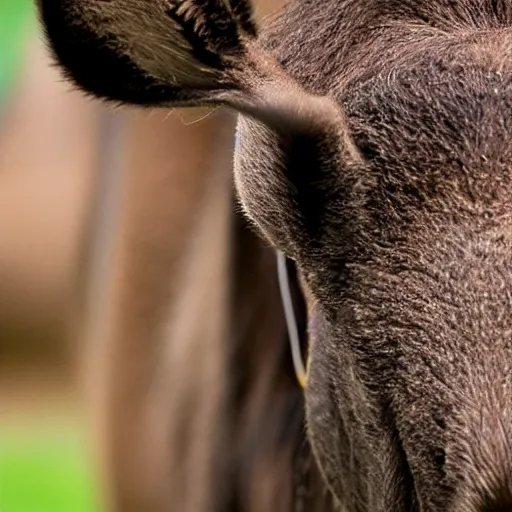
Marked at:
<point>380,162</point>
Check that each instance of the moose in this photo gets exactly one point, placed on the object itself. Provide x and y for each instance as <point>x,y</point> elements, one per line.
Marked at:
<point>373,149</point>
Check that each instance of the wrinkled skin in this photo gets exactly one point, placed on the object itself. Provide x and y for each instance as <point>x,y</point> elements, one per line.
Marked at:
<point>395,205</point>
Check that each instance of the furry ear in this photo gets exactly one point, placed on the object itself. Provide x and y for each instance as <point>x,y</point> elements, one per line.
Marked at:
<point>174,53</point>
<point>148,52</point>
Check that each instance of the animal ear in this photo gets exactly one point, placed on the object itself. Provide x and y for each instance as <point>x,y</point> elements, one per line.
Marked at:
<point>174,53</point>
<point>149,52</point>
<point>170,53</point>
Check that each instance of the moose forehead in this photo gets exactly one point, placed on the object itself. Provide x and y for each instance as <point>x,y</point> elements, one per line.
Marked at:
<point>436,133</point>
<point>432,110</point>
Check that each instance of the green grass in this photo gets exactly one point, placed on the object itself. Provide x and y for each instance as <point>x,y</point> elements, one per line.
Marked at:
<point>16,22</point>
<point>44,470</point>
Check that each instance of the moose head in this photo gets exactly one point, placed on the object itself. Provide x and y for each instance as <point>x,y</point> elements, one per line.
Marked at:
<point>374,148</point>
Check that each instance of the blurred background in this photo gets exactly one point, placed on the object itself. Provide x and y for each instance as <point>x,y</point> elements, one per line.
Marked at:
<point>95,208</point>
<point>48,146</point>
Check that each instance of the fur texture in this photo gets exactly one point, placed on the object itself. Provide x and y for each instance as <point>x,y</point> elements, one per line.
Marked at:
<point>377,155</point>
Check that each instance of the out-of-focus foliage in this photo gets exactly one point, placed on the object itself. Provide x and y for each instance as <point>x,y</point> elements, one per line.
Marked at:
<point>16,17</point>
<point>44,458</point>
<point>44,470</point>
